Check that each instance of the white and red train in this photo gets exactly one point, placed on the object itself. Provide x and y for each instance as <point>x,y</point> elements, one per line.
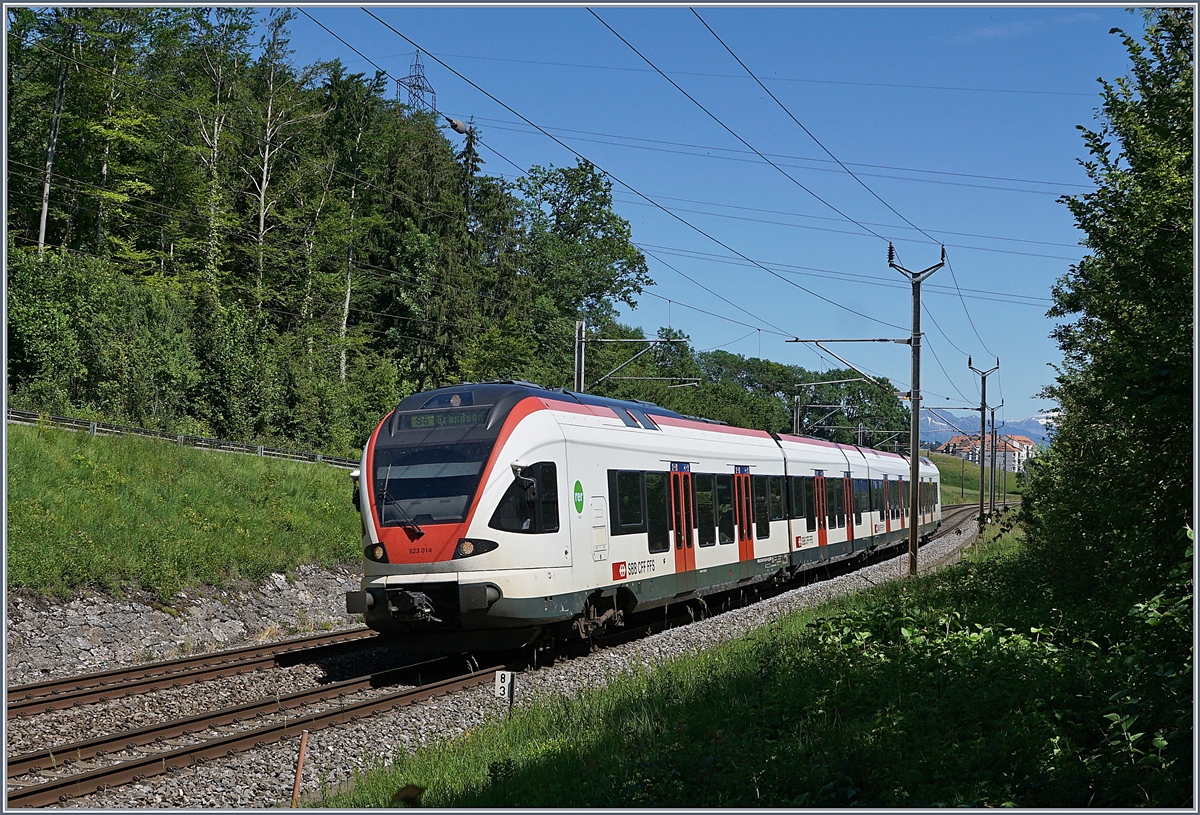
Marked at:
<point>495,514</point>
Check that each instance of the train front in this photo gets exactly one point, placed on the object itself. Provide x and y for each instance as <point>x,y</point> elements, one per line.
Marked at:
<point>435,573</point>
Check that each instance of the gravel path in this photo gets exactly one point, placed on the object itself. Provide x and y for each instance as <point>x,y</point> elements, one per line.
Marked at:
<point>263,777</point>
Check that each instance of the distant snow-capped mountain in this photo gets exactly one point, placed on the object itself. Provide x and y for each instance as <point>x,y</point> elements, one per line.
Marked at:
<point>940,426</point>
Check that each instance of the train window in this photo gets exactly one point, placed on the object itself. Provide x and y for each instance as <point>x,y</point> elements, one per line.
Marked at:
<point>725,508</point>
<point>810,503</point>
<point>547,487</point>
<point>877,498</point>
<point>776,488</point>
<point>706,518</point>
<point>656,512</point>
<point>531,508</point>
<point>762,509</point>
<point>833,487</point>
<point>625,502</point>
<point>841,503</point>
<point>430,484</point>
<point>797,497</point>
<point>860,498</point>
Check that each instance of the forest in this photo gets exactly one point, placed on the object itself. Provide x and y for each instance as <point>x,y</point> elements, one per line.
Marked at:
<point>206,238</point>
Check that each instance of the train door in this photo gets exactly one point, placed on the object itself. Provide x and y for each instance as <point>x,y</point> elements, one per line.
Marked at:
<point>683,523</point>
<point>822,519</point>
<point>848,503</point>
<point>744,512</point>
<point>887,505</point>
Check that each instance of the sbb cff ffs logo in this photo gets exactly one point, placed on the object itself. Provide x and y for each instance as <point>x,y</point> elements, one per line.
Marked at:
<point>623,569</point>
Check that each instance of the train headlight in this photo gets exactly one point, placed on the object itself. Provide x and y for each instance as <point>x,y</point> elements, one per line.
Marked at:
<point>469,547</point>
<point>376,552</point>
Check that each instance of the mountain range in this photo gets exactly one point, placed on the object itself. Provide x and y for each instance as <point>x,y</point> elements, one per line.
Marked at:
<point>940,425</point>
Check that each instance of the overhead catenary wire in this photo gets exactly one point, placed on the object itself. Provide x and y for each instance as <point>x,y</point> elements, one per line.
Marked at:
<point>730,130</point>
<point>771,79</point>
<point>800,124</point>
<point>498,124</point>
<point>780,331</point>
<point>953,276</point>
<point>874,280</point>
<point>858,234</point>
<point>628,186</point>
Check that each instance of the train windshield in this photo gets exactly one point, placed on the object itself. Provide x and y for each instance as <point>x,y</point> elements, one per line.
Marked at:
<point>430,484</point>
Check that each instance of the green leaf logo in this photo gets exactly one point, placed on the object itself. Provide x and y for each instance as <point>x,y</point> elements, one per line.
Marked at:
<point>579,497</point>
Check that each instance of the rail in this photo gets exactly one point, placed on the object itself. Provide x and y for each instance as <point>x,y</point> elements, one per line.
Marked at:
<point>26,417</point>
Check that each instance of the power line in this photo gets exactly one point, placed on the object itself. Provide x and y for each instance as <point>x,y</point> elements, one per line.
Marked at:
<point>967,310</point>
<point>628,186</point>
<point>806,130</point>
<point>827,218</point>
<point>730,130</point>
<point>858,234</point>
<point>480,141</point>
<point>953,276</point>
<point>735,150</point>
<point>844,276</point>
<point>774,78</point>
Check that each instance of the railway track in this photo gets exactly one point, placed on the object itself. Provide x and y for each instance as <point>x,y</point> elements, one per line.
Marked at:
<point>100,686</point>
<point>63,788</point>
<point>59,783</point>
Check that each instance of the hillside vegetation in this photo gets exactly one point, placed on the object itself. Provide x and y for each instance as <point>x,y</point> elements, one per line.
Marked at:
<point>209,239</point>
<point>124,513</point>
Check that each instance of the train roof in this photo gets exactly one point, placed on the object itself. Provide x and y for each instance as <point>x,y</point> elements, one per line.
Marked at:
<point>490,393</point>
<point>512,390</point>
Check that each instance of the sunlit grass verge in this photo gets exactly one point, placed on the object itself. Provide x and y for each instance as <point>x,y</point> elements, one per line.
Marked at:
<point>121,512</point>
<point>960,482</point>
<point>961,688</point>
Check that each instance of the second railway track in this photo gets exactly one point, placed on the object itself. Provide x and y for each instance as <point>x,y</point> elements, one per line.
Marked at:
<point>57,781</point>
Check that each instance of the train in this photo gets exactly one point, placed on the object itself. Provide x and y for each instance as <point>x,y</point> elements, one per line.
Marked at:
<point>504,514</point>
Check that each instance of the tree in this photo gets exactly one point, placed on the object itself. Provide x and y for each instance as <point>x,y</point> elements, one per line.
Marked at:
<point>1111,497</point>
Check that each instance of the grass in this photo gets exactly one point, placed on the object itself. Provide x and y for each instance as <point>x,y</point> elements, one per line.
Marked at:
<point>960,483</point>
<point>123,513</point>
<point>962,688</point>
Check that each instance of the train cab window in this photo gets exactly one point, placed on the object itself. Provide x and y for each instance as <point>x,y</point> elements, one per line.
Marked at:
<point>656,512</point>
<point>762,509</point>
<point>725,508</point>
<point>626,513</point>
<point>706,518</point>
<point>530,505</point>
<point>775,483</point>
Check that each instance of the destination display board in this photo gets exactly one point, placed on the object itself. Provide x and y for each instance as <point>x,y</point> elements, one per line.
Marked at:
<point>429,420</point>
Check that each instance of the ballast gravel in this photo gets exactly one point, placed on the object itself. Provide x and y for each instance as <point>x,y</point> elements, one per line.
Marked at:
<point>264,777</point>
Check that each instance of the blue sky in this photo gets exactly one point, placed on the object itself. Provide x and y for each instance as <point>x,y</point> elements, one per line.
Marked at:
<point>963,120</point>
